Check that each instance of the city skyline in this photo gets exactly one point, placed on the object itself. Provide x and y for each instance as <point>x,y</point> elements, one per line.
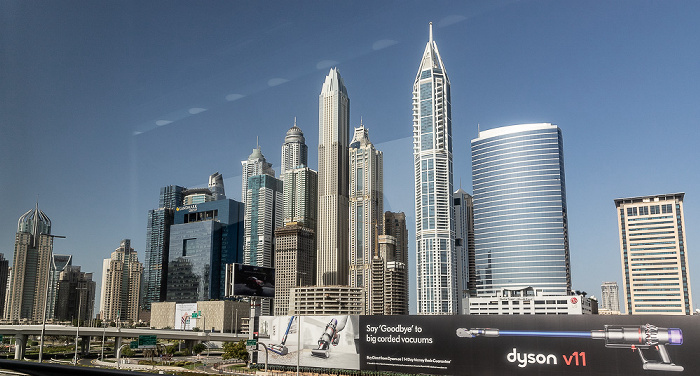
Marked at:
<point>119,115</point>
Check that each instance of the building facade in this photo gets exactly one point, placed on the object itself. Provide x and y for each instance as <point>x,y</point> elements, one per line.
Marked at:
<point>464,244</point>
<point>432,159</point>
<point>203,239</point>
<point>366,203</point>
<point>530,302</point>
<point>158,244</point>
<point>326,300</point>
<point>256,164</point>
<point>609,298</point>
<point>30,271</point>
<point>59,263</point>
<point>333,133</point>
<point>295,262</point>
<point>75,294</point>
<point>300,190</point>
<point>389,290</point>
<point>263,214</point>
<point>4,279</point>
<point>520,218</point>
<point>654,254</point>
<point>295,153</point>
<point>122,284</point>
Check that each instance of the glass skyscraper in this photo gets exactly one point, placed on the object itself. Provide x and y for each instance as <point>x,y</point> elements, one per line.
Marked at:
<point>520,220</point>
<point>432,158</point>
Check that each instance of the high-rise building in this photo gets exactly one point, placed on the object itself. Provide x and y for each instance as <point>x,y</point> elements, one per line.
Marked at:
<point>294,150</point>
<point>122,284</point>
<point>464,245</point>
<point>263,214</point>
<point>520,218</point>
<point>333,133</point>
<point>216,186</point>
<point>395,226</point>
<point>30,271</point>
<point>389,290</point>
<point>75,294</point>
<point>366,203</point>
<point>295,264</point>
<point>654,254</point>
<point>203,238</point>
<point>4,276</point>
<point>300,190</point>
<point>609,298</point>
<point>158,242</point>
<point>432,159</point>
<point>59,263</point>
<point>256,164</point>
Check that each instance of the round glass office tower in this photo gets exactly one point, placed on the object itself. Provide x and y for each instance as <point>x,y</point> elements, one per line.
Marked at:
<point>520,221</point>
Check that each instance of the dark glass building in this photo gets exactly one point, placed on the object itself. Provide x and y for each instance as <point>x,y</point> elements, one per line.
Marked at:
<point>203,238</point>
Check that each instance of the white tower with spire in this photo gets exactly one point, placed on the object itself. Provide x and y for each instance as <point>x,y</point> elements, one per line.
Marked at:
<point>432,157</point>
<point>333,133</point>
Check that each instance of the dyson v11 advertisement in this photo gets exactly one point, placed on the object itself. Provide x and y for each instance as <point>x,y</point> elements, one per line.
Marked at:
<point>311,341</point>
<point>531,345</point>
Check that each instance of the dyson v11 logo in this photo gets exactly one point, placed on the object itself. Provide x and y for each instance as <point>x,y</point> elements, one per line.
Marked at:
<point>524,359</point>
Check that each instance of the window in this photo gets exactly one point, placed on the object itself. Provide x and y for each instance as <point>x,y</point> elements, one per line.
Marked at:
<point>631,212</point>
<point>643,210</point>
<point>655,209</point>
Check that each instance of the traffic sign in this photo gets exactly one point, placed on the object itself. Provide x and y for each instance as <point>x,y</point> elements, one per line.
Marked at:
<point>251,342</point>
<point>134,344</point>
<point>147,342</point>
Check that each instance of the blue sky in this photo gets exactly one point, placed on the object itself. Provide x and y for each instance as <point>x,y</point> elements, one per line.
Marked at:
<point>102,103</point>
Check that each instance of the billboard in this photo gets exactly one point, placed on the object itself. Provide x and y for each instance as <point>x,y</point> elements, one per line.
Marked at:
<point>488,345</point>
<point>248,280</point>
<point>183,316</point>
<point>531,345</point>
<point>316,341</point>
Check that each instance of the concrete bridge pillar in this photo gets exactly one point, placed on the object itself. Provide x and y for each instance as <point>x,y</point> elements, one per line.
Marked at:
<point>20,345</point>
<point>85,345</point>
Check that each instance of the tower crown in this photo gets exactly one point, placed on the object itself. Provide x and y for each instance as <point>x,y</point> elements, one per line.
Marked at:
<point>35,222</point>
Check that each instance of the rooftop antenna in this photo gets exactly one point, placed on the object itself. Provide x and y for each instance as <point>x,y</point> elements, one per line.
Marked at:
<point>478,129</point>
<point>257,142</point>
<point>295,121</point>
<point>431,32</point>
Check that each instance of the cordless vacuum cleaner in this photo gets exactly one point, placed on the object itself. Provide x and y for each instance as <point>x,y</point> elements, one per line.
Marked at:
<point>636,338</point>
<point>281,349</point>
<point>330,336</point>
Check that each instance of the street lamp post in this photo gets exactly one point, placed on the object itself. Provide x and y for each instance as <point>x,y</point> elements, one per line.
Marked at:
<point>77,329</point>
<point>46,299</point>
<point>104,328</point>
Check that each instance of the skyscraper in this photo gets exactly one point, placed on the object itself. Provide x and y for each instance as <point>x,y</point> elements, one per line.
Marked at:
<point>4,275</point>
<point>58,264</point>
<point>609,298</point>
<point>653,249</point>
<point>464,244</point>
<point>256,164</point>
<point>294,262</point>
<point>157,244</point>
<point>75,292</point>
<point>122,284</point>
<point>389,290</point>
<point>300,189</point>
<point>30,271</point>
<point>366,203</point>
<point>432,160</point>
<point>294,150</point>
<point>520,218</point>
<point>263,214</point>
<point>203,238</point>
<point>333,132</point>
<point>216,186</point>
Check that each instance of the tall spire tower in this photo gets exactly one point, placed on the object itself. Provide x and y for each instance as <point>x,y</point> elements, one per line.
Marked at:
<point>333,134</point>
<point>432,158</point>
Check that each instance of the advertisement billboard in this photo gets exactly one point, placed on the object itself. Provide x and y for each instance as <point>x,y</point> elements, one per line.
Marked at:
<point>183,316</point>
<point>316,341</point>
<point>530,345</point>
<point>251,280</point>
